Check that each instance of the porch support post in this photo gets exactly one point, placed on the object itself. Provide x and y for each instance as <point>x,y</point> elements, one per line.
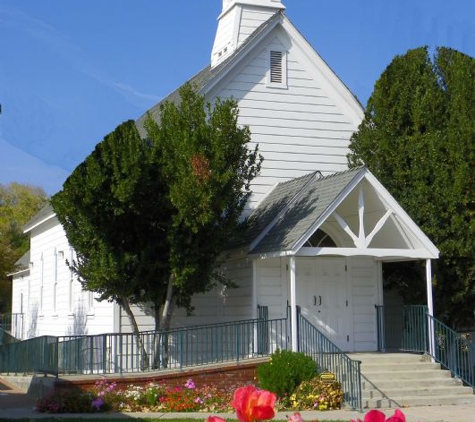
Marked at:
<point>430,306</point>
<point>293,304</point>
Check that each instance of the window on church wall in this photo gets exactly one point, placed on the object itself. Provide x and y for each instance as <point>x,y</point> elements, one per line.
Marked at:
<point>320,240</point>
<point>277,73</point>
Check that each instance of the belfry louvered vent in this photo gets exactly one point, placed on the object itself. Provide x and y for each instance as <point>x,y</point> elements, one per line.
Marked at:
<point>276,71</point>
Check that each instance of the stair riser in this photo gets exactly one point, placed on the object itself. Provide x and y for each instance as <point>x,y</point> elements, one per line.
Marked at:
<point>414,392</point>
<point>422,401</point>
<point>396,380</point>
<point>408,384</point>
<point>386,367</point>
<point>399,376</point>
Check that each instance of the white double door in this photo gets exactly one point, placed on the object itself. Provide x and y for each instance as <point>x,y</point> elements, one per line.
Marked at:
<point>322,294</point>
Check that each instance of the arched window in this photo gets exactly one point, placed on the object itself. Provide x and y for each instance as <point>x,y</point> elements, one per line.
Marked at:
<point>320,240</point>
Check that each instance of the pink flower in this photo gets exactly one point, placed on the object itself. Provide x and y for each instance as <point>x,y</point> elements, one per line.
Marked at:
<point>190,384</point>
<point>252,404</point>
<point>377,416</point>
<point>397,417</point>
<point>296,417</point>
<point>215,419</point>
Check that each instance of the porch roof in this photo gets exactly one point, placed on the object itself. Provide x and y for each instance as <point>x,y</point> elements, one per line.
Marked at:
<point>351,206</point>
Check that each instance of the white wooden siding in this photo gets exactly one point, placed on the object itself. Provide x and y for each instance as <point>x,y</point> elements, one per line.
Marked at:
<point>251,19</point>
<point>365,295</point>
<point>49,268</point>
<point>20,299</point>
<point>272,286</point>
<point>217,305</point>
<point>299,129</point>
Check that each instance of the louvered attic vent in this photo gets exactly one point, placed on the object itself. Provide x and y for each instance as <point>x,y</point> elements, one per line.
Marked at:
<point>276,68</point>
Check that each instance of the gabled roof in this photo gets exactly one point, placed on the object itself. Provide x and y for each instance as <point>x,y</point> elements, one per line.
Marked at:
<point>208,74</point>
<point>41,216</point>
<point>285,220</point>
<point>22,265</point>
<point>206,79</point>
<point>296,210</point>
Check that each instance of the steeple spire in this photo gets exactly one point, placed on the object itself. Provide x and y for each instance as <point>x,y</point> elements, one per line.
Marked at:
<point>238,19</point>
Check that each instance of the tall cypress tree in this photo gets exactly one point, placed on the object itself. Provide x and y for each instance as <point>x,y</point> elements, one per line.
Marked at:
<point>418,138</point>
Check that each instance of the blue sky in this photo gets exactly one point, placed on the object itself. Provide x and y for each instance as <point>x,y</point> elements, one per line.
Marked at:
<point>71,71</point>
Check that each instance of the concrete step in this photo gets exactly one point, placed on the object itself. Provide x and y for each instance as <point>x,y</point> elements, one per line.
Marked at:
<point>406,375</point>
<point>394,367</point>
<point>409,392</point>
<point>446,382</point>
<point>398,380</point>
<point>398,402</point>
<point>381,358</point>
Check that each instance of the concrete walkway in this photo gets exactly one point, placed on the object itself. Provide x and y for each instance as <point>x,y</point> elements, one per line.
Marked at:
<point>16,405</point>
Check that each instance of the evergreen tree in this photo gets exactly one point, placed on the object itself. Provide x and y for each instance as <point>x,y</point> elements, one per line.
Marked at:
<point>418,138</point>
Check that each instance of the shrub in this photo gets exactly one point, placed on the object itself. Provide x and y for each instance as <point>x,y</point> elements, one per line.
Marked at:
<point>317,395</point>
<point>285,371</point>
<point>69,401</point>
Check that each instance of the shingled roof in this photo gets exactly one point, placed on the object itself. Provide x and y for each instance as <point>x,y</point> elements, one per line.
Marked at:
<point>293,207</point>
<point>22,264</point>
<point>43,214</point>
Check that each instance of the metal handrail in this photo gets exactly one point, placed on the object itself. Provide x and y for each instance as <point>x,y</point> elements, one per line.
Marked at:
<point>411,328</point>
<point>452,350</point>
<point>179,348</point>
<point>330,357</point>
<point>172,349</point>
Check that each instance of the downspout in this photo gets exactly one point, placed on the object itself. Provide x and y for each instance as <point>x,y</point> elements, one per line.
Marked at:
<point>293,304</point>
<point>430,307</point>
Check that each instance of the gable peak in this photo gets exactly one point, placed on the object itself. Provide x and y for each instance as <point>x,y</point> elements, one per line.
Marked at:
<point>238,19</point>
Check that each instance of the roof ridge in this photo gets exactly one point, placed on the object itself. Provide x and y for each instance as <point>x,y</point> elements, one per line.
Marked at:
<point>339,173</point>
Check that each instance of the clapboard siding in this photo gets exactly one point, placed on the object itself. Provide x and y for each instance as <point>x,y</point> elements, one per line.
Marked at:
<point>218,305</point>
<point>48,309</point>
<point>251,19</point>
<point>363,284</point>
<point>300,129</point>
<point>271,286</point>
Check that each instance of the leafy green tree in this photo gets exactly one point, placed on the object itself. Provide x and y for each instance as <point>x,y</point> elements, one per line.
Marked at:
<point>208,168</point>
<point>18,203</point>
<point>149,218</point>
<point>116,215</point>
<point>418,138</point>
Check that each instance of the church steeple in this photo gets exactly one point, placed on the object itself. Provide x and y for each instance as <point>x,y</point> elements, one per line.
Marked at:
<point>237,21</point>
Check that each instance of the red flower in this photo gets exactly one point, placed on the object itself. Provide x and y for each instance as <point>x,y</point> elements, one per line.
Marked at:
<point>252,404</point>
<point>215,419</point>
<point>377,416</point>
<point>397,417</point>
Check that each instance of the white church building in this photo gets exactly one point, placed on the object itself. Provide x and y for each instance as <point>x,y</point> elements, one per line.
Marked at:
<point>319,232</point>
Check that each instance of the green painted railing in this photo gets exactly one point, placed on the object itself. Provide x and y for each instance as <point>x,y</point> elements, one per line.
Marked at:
<point>122,353</point>
<point>38,354</point>
<point>330,357</point>
<point>179,348</point>
<point>12,323</point>
<point>452,350</point>
<point>402,328</point>
<point>411,328</point>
